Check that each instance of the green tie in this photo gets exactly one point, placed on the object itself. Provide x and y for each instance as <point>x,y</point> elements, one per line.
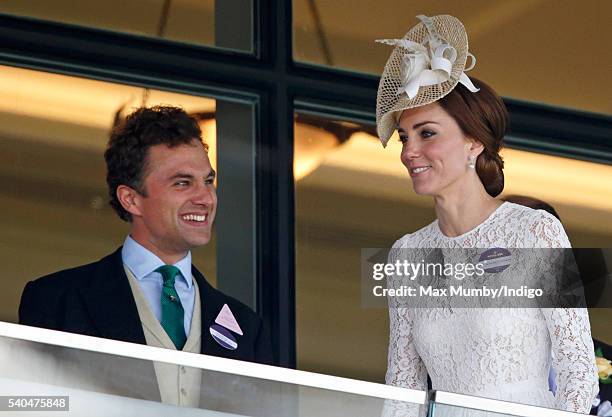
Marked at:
<point>172,309</point>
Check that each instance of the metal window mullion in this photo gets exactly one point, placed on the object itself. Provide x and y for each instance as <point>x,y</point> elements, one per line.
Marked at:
<point>234,24</point>
<point>276,214</point>
<point>236,219</point>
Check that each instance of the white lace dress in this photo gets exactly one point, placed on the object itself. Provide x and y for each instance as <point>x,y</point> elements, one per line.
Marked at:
<point>501,353</point>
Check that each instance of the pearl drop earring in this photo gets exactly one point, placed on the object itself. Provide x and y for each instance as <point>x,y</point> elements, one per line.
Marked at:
<point>471,161</point>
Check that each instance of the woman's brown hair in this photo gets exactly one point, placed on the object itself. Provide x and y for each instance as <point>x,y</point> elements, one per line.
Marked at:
<point>483,117</point>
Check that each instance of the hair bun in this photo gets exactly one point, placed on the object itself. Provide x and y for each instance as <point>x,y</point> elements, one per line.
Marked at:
<point>483,117</point>
<point>490,170</point>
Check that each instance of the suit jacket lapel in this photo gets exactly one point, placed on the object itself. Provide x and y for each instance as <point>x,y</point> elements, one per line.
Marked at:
<point>110,303</point>
<point>211,303</point>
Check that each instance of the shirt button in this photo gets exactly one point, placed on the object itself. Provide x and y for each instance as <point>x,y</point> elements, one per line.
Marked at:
<point>183,370</point>
<point>183,392</point>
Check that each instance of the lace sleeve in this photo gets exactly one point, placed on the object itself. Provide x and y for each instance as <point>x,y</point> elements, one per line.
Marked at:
<point>405,367</point>
<point>570,332</point>
<point>574,358</point>
<point>546,231</point>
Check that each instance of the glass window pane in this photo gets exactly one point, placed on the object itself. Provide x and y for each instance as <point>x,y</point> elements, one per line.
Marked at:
<point>224,24</point>
<point>525,49</point>
<point>55,212</point>
<point>353,194</point>
<point>116,377</point>
<point>446,404</point>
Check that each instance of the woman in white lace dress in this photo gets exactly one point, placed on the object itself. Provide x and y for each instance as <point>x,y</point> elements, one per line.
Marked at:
<point>451,132</point>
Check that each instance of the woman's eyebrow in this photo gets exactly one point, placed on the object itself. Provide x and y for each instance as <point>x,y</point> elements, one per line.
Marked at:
<point>416,126</point>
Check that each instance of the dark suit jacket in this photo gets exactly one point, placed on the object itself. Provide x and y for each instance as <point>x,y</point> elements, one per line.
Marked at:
<point>96,300</point>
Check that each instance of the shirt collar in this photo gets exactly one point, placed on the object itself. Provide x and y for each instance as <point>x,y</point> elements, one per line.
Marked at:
<point>142,262</point>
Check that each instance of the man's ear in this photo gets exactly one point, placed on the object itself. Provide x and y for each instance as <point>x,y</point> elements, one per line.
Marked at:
<point>129,199</point>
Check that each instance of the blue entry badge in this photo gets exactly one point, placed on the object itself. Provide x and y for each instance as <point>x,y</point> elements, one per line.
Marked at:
<point>495,260</point>
<point>223,337</point>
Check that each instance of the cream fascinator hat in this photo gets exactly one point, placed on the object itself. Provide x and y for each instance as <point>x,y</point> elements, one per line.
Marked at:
<point>425,65</point>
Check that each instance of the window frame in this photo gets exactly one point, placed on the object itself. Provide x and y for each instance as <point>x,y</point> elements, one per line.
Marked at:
<point>277,86</point>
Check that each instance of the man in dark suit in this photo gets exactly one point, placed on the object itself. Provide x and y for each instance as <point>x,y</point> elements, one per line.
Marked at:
<point>160,181</point>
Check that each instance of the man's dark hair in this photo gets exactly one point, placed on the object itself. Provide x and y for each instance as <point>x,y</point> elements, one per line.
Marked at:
<point>129,143</point>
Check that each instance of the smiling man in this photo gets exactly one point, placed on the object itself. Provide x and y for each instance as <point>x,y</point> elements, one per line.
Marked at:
<point>160,181</point>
